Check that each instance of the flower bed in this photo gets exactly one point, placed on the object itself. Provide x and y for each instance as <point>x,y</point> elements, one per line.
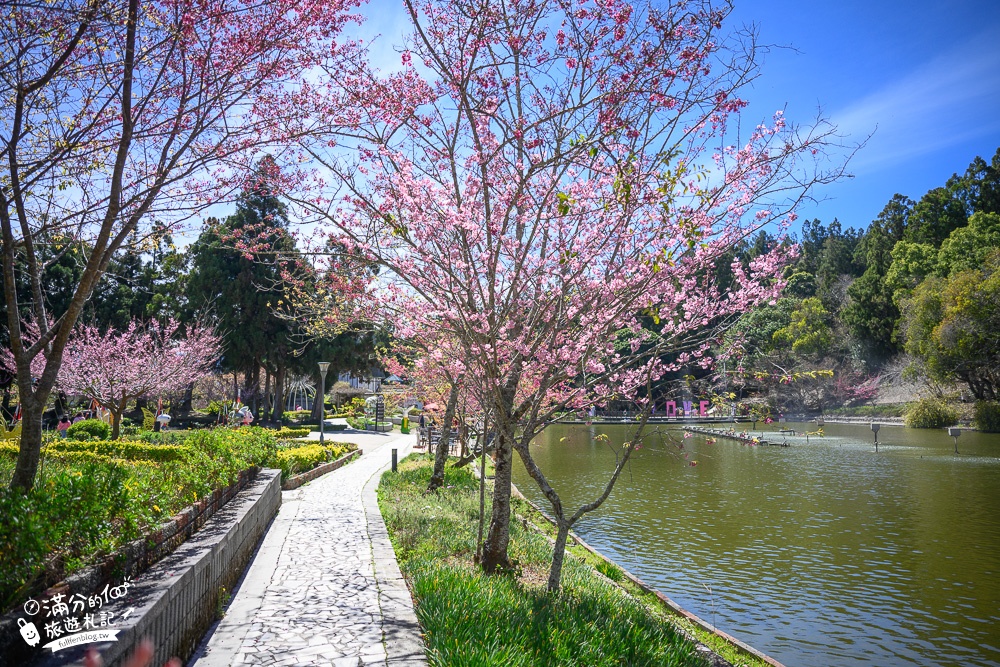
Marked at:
<point>92,498</point>
<point>295,460</point>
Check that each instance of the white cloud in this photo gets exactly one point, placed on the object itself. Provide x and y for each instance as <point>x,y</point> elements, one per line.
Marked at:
<point>946,101</point>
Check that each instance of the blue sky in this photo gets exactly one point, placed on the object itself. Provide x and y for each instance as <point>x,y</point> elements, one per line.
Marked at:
<point>923,76</point>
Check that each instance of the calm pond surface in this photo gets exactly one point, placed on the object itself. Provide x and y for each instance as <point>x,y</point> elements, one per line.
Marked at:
<point>822,553</point>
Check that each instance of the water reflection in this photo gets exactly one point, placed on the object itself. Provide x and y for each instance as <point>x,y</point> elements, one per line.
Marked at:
<point>821,553</point>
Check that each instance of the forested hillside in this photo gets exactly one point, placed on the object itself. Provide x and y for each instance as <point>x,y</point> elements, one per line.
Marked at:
<point>914,297</point>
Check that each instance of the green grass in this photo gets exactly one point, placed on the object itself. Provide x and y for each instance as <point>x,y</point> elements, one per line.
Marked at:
<point>473,619</point>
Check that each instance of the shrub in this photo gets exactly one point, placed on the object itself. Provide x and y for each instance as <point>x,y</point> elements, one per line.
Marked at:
<point>89,429</point>
<point>70,511</point>
<point>131,431</point>
<point>987,416</point>
<point>124,449</point>
<point>930,413</point>
<point>295,460</point>
<point>86,504</point>
<point>288,432</point>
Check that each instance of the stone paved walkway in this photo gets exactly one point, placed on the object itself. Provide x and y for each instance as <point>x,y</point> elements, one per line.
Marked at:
<point>324,587</point>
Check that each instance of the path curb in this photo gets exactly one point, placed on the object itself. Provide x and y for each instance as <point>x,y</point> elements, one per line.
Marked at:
<point>402,634</point>
<point>295,482</point>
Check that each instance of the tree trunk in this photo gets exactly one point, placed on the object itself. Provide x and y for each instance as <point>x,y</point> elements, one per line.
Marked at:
<point>441,454</point>
<point>278,410</point>
<point>116,424</point>
<point>266,409</point>
<point>187,401</point>
<point>32,407</point>
<point>61,404</point>
<point>482,492</point>
<point>498,536</point>
<point>558,555</point>
<point>255,392</point>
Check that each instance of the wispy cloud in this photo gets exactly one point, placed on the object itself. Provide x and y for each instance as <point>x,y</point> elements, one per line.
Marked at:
<point>946,101</point>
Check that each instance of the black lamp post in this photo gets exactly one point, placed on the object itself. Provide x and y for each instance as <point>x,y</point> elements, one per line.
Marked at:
<point>875,428</point>
<point>324,366</point>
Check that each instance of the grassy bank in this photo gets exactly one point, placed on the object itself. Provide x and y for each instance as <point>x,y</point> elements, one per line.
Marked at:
<point>472,619</point>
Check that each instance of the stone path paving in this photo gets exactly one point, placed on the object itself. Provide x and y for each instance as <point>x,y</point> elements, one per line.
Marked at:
<point>324,587</point>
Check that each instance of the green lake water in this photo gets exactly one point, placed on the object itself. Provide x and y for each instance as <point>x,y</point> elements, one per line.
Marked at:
<point>819,554</point>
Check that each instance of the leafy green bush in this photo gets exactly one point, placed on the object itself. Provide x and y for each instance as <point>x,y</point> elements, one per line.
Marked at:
<point>131,431</point>
<point>70,512</point>
<point>89,429</point>
<point>930,413</point>
<point>124,449</point>
<point>362,423</point>
<point>987,416</point>
<point>353,407</point>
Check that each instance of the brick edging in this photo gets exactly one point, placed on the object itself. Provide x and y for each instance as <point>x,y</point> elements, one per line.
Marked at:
<point>308,476</point>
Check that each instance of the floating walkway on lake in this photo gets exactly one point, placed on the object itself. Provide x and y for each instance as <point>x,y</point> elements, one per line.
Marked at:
<point>730,434</point>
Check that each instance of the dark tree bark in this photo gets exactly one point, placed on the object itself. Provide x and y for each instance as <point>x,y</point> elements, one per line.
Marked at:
<point>267,393</point>
<point>278,409</point>
<point>187,401</point>
<point>498,536</point>
<point>441,454</point>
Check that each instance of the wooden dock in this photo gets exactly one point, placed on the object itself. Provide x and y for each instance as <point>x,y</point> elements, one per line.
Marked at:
<point>733,435</point>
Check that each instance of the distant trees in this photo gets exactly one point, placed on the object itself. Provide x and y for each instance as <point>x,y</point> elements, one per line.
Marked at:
<point>118,114</point>
<point>243,289</point>
<point>918,281</point>
<point>115,367</point>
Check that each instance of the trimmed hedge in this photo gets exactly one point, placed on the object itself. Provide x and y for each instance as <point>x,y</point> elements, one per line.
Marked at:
<point>89,429</point>
<point>930,413</point>
<point>289,432</point>
<point>86,505</point>
<point>125,449</point>
<point>295,460</point>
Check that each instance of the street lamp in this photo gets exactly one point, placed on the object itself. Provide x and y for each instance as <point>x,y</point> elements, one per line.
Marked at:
<point>324,366</point>
<point>875,428</point>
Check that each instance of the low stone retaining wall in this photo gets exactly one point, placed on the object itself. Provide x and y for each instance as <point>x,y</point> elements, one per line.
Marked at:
<point>308,476</point>
<point>177,599</point>
<point>130,561</point>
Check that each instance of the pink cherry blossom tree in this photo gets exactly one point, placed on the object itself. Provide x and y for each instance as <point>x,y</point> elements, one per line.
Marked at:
<point>117,367</point>
<point>117,115</point>
<point>545,179</point>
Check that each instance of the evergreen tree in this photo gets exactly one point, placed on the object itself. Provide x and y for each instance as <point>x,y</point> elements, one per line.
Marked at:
<point>242,288</point>
<point>871,313</point>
